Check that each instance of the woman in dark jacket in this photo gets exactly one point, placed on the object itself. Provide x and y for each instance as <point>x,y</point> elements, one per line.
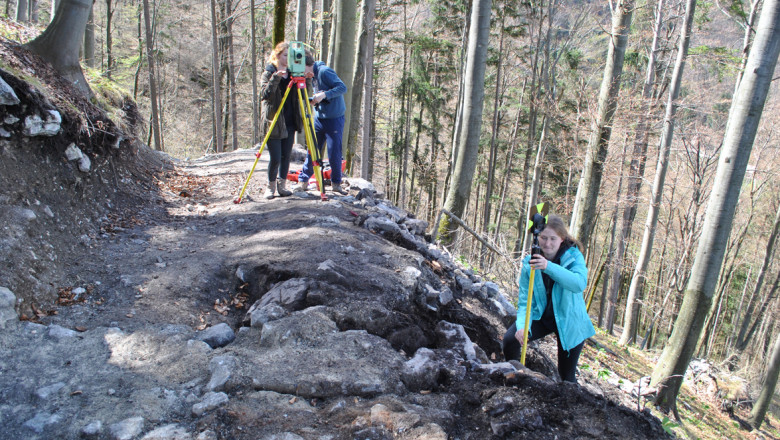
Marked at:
<point>273,84</point>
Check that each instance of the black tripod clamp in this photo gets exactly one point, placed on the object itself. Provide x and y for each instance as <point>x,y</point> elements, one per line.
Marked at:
<point>539,223</point>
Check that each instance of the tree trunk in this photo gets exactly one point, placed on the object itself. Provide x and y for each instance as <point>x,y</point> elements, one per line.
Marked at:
<point>492,159</point>
<point>33,12</point>
<point>55,4</point>
<point>751,19</point>
<point>359,73</point>
<point>508,168</point>
<point>768,389</point>
<point>21,11</point>
<point>585,202</point>
<point>616,250</point>
<point>231,74</point>
<point>59,44</point>
<point>742,338</point>
<point>741,128</point>
<point>474,93</point>
<point>215,79</point>
<point>253,48</point>
<point>280,14</point>
<point>109,39</point>
<point>89,39</point>
<point>344,64</point>
<point>636,175</point>
<point>150,59</point>
<point>301,17</point>
<point>366,155</point>
<point>139,34</point>
<point>651,222</point>
<point>325,26</point>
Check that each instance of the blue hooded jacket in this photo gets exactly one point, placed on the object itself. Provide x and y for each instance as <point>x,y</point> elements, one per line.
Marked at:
<point>571,315</point>
<point>333,105</point>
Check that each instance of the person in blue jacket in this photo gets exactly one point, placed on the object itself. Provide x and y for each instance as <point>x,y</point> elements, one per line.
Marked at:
<point>329,108</point>
<point>557,305</point>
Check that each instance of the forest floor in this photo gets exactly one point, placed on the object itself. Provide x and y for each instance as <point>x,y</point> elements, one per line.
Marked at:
<point>148,245</point>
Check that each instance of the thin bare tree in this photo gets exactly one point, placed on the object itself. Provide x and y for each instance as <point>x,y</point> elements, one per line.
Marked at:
<point>583,215</point>
<point>744,117</point>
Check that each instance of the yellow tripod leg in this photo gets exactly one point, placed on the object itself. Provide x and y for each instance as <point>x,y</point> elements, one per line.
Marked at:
<point>308,125</point>
<point>262,146</point>
<point>527,316</point>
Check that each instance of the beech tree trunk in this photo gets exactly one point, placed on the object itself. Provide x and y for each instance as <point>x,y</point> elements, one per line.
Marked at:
<point>366,155</point>
<point>768,390</point>
<point>152,78</point>
<point>21,11</point>
<point>33,11</point>
<point>744,335</point>
<point>253,48</point>
<point>325,29</point>
<point>344,64</point>
<point>474,94</point>
<point>59,44</point>
<point>582,220</point>
<point>54,5</point>
<point>231,71</point>
<point>219,146</point>
<point>741,129</point>
<point>89,39</point>
<point>109,39</point>
<point>636,175</point>
<point>651,222</point>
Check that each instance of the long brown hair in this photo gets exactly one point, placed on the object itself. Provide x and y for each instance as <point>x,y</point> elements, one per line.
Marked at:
<point>556,224</point>
<point>274,57</point>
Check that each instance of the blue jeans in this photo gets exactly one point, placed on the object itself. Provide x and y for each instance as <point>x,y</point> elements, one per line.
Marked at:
<point>279,150</point>
<point>330,131</point>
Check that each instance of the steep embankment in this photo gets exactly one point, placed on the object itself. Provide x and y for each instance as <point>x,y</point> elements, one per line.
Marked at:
<point>153,306</point>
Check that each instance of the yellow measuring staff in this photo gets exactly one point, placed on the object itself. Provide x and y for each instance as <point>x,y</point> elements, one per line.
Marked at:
<point>527,316</point>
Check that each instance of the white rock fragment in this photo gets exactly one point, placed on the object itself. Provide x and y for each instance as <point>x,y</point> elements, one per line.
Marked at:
<point>34,125</point>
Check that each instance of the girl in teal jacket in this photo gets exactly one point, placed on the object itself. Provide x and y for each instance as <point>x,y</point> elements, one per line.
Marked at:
<point>557,305</point>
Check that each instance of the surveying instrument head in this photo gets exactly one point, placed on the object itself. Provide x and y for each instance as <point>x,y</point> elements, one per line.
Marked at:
<point>296,58</point>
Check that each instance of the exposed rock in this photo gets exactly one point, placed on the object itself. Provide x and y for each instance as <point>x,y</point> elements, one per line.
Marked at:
<point>7,308</point>
<point>127,429</point>
<point>218,335</point>
<point>34,125</point>
<point>92,430</point>
<point>59,332</point>
<point>41,421</point>
<point>210,401</point>
<point>168,432</point>
<point>7,95</point>
<point>221,368</point>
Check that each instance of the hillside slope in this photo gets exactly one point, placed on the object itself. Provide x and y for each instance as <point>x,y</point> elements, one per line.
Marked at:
<point>139,301</point>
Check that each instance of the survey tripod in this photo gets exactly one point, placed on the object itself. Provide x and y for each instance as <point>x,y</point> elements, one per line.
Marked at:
<point>298,82</point>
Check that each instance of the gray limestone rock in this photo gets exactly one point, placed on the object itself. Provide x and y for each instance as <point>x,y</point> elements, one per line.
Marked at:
<point>7,307</point>
<point>217,336</point>
<point>7,94</point>
<point>210,401</point>
<point>34,125</point>
<point>127,429</point>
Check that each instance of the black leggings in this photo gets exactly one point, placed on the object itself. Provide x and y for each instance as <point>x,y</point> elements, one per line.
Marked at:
<point>567,362</point>
<point>279,151</point>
